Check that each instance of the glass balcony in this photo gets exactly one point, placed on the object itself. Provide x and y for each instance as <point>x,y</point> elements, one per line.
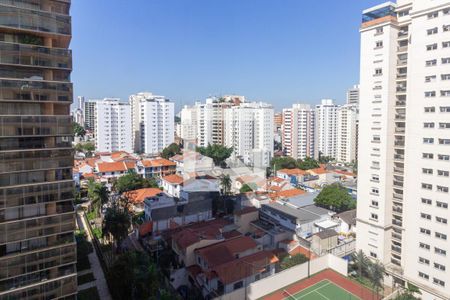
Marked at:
<point>33,160</point>
<point>19,18</point>
<point>16,126</point>
<point>45,5</point>
<point>369,15</point>
<point>29,55</point>
<point>29,90</point>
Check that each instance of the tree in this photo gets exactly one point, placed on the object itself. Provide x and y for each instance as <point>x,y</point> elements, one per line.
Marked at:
<point>325,159</point>
<point>116,223</point>
<point>408,294</point>
<point>376,275</point>
<point>99,195</point>
<point>218,153</point>
<point>335,197</point>
<point>79,147</point>
<point>361,262</point>
<point>133,276</point>
<point>133,181</point>
<point>78,130</point>
<point>307,164</point>
<point>283,162</point>
<point>290,261</point>
<point>170,151</point>
<point>225,183</point>
<point>245,188</point>
<point>177,120</point>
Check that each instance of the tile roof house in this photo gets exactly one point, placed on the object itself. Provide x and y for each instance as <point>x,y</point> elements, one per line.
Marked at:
<point>172,184</point>
<point>114,169</point>
<point>156,167</point>
<point>137,197</point>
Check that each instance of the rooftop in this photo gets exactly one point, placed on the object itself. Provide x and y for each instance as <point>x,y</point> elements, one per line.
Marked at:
<point>115,166</point>
<point>138,196</point>
<point>305,214</point>
<point>158,162</point>
<point>327,233</point>
<point>173,179</point>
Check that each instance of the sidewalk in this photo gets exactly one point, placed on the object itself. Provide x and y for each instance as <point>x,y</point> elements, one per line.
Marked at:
<point>100,281</point>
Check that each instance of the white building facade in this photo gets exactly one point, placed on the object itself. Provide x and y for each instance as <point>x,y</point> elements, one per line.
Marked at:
<point>347,133</point>
<point>89,114</point>
<point>404,144</point>
<point>113,126</point>
<point>189,123</point>
<point>210,121</point>
<point>326,129</point>
<point>353,95</point>
<point>298,131</point>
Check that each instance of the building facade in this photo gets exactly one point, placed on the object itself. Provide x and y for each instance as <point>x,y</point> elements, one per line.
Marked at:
<point>298,131</point>
<point>189,123</point>
<point>113,126</point>
<point>37,220</point>
<point>89,114</point>
<point>210,120</point>
<point>353,95</point>
<point>326,129</point>
<point>403,182</point>
<point>347,133</point>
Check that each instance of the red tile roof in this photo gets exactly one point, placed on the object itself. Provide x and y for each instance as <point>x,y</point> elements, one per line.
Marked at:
<point>173,179</point>
<point>290,193</point>
<point>345,173</point>
<point>300,250</point>
<point>318,170</point>
<point>145,228</point>
<point>158,162</point>
<point>138,196</point>
<point>294,172</point>
<point>111,167</point>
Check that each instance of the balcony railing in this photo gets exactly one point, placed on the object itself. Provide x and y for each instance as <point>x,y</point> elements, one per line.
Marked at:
<point>14,126</point>
<point>30,90</point>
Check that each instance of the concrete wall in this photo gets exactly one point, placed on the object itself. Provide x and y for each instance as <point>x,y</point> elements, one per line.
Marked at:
<point>280,280</point>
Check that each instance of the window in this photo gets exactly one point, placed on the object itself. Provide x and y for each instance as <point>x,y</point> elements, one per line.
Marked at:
<point>379,30</point>
<point>433,15</point>
<point>379,44</point>
<point>403,13</point>
<point>427,155</point>
<point>424,246</point>
<point>432,47</point>
<point>430,94</point>
<point>442,189</point>
<point>444,108</point>
<point>374,216</point>
<point>425,216</point>
<point>374,203</point>
<point>374,191</point>
<point>373,254</point>
<point>378,72</point>
<point>444,141</point>
<point>428,125</point>
<point>443,173</point>
<point>438,282</point>
<point>431,62</point>
<point>440,251</point>
<point>443,157</point>
<point>429,109</point>
<point>425,231</point>
<point>428,140</point>
<point>430,78</point>
<point>445,77</point>
<point>432,31</point>
<point>441,220</point>
<point>424,276</point>
<point>445,93</point>
<point>446,11</point>
<point>375,178</point>
<point>427,186</point>
<point>238,285</point>
<point>445,60</point>
<point>446,44</point>
<point>427,171</point>
<point>424,260</point>
<point>426,201</point>
<point>441,236</point>
<point>446,28</point>
<point>444,125</point>
<point>441,204</point>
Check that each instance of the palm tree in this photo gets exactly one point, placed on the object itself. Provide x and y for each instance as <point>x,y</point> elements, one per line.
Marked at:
<point>99,195</point>
<point>362,262</point>
<point>116,223</point>
<point>376,274</point>
<point>225,183</point>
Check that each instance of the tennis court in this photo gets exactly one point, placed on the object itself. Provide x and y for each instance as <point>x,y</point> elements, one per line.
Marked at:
<point>323,290</point>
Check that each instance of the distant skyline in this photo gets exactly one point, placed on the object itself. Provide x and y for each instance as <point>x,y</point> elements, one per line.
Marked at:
<point>278,52</point>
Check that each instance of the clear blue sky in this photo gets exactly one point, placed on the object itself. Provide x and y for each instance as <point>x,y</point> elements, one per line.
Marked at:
<point>279,51</point>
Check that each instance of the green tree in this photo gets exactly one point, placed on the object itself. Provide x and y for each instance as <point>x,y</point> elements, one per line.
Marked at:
<point>325,159</point>
<point>335,197</point>
<point>290,261</point>
<point>307,164</point>
<point>283,162</point>
<point>245,188</point>
<point>116,223</point>
<point>361,262</point>
<point>177,120</point>
<point>225,184</point>
<point>218,153</point>
<point>133,276</point>
<point>88,148</point>
<point>376,275</point>
<point>133,181</point>
<point>79,147</point>
<point>409,293</point>
<point>170,151</point>
<point>78,130</point>
<point>99,195</point>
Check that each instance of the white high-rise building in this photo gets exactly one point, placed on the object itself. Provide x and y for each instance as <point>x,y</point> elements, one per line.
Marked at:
<point>113,126</point>
<point>210,119</point>
<point>326,129</point>
<point>89,114</point>
<point>353,95</point>
<point>404,143</point>
<point>298,127</point>
<point>347,133</point>
<point>189,123</point>
<point>248,128</point>
<point>153,122</point>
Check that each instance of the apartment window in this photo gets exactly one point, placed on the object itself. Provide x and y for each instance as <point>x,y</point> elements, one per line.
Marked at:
<point>444,125</point>
<point>441,220</point>
<point>442,189</point>
<point>443,173</point>
<point>427,186</point>
<point>441,204</point>
<point>438,282</point>
<point>374,203</point>
<point>445,77</point>
<point>429,109</point>
<point>378,44</point>
<point>444,141</point>
<point>428,140</point>
<point>427,155</point>
<point>446,44</point>
<point>403,13</point>
<point>425,231</point>
<point>433,15</point>
<point>430,63</point>
<point>440,235</point>
<point>432,47</point>
<point>440,251</point>
<point>427,171</point>
<point>379,30</point>
<point>378,72</point>
<point>445,93</point>
<point>424,261</point>
<point>444,108</point>
<point>428,125</point>
<point>425,216</point>
<point>444,157</point>
<point>430,78</point>
<point>445,60</point>
<point>424,246</point>
<point>426,201</point>
<point>374,216</point>
<point>424,276</point>
<point>373,254</point>
<point>446,28</point>
<point>432,31</point>
<point>430,94</point>
<point>446,11</point>
<point>375,178</point>
<point>375,191</point>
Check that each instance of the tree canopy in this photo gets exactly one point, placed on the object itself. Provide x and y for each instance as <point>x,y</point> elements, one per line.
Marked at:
<point>335,197</point>
<point>225,183</point>
<point>218,153</point>
<point>290,261</point>
<point>307,164</point>
<point>116,222</point>
<point>245,188</point>
<point>78,130</point>
<point>133,181</point>
<point>87,148</point>
<point>98,193</point>
<point>287,162</point>
<point>170,151</point>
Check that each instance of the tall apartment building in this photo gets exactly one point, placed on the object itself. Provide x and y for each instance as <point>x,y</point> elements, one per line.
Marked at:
<point>89,114</point>
<point>404,154</point>
<point>347,133</point>
<point>113,126</point>
<point>153,122</point>
<point>248,128</point>
<point>353,95</point>
<point>326,129</point>
<point>298,131</point>
<point>37,220</point>
<point>210,118</point>
<point>189,122</point>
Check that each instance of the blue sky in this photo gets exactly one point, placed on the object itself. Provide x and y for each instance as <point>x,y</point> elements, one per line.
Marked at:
<point>277,51</point>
